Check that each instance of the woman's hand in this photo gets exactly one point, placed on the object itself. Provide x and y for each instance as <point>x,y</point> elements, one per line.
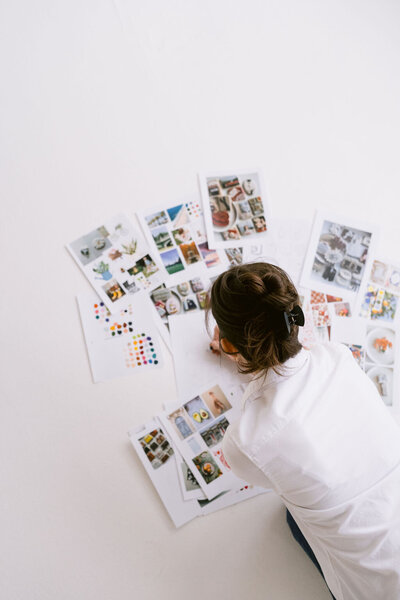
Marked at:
<point>214,344</point>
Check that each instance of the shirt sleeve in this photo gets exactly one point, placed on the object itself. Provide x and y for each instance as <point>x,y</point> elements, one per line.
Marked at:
<point>240,463</point>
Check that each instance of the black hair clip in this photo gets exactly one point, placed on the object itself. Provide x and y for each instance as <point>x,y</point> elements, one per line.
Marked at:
<point>294,317</point>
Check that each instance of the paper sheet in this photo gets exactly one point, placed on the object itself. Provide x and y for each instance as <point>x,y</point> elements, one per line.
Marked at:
<point>235,207</point>
<point>376,349</point>
<point>161,462</point>
<point>121,343</point>
<point>197,427</point>
<point>116,261</point>
<point>196,367</point>
<point>339,255</point>
<point>177,238</point>
<point>379,298</point>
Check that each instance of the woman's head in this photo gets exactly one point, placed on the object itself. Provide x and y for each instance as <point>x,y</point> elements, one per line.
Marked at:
<point>248,303</point>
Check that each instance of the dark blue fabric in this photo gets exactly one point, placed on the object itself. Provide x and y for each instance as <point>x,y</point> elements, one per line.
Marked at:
<point>299,537</point>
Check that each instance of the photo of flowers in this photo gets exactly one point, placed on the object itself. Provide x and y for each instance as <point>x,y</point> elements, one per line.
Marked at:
<point>380,297</point>
<point>235,207</point>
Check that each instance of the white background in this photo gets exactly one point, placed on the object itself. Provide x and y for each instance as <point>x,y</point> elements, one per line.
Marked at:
<point>107,106</point>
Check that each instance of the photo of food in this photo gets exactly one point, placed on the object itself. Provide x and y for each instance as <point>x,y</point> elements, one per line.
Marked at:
<point>113,290</point>
<point>207,467</point>
<point>358,353</point>
<point>171,261</point>
<point>156,447</point>
<point>216,401</point>
<point>198,412</point>
<point>341,255</point>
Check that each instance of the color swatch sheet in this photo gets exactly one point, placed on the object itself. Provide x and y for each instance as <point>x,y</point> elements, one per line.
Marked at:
<point>119,343</point>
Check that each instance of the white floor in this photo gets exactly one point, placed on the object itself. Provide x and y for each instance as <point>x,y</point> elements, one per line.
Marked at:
<point>109,105</point>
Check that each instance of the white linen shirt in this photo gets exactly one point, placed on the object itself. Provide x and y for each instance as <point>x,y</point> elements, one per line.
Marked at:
<point>321,437</point>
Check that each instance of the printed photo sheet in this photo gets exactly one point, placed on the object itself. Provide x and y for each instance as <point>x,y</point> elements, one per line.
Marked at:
<point>319,311</point>
<point>177,237</point>
<point>339,255</point>
<point>119,343</point>
<point>162,463</point>
<point>375,348</point>
<point>197,427</point>
<point>115,259</point>
<point>155,451</point>
<point>235,208</point>
<point>194,363</point>
<point>379,300</point>
<point>186,297</point>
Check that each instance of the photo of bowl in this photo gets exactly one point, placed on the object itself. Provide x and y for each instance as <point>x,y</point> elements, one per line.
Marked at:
<point>173,304</point>
<point>208,468</point>
<point>381,345</point>
<point>383,380</point>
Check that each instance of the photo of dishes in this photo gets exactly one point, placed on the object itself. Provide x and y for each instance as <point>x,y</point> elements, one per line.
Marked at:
<point>380,348</point>
<point>340,256</point>
<point>181,298</point>
<point>207,467</point>
<point>234,207</point>
<point>156,447</point>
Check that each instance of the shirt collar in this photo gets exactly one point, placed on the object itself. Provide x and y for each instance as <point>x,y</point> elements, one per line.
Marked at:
<point>287,370</point>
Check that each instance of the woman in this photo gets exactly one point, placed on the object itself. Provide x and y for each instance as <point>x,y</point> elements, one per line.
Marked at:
<point>313,428</point>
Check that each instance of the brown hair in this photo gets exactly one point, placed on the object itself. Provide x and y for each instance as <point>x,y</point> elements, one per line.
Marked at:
<point>248,302</point>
